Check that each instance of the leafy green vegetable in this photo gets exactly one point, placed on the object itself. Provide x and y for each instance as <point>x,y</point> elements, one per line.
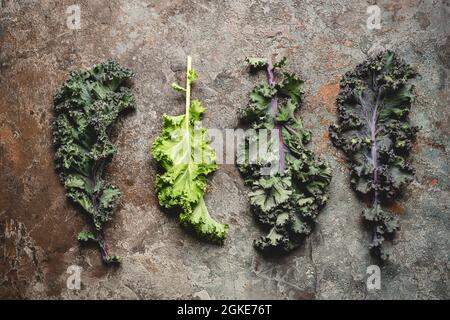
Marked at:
<point>287,198</point>
<point>184,154</point>
<point>86,106</point>
<point>374,132</point>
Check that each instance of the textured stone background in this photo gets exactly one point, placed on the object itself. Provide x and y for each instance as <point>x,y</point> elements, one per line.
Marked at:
<point>322,39</point>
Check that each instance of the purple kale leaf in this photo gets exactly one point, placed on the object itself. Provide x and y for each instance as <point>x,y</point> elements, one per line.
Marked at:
<point>287,199</point>
<point>374,132</point>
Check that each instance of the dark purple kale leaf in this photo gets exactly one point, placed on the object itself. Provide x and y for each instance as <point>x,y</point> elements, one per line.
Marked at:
<point>374,132</point>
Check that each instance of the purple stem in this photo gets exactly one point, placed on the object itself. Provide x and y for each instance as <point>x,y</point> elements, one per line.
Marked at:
<point>374,155</point>
<point>274,104</point>
<point>103,245</point>
<point>98,166</point>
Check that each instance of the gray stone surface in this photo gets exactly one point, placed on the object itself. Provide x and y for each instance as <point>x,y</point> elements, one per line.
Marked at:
<point>322,39</point>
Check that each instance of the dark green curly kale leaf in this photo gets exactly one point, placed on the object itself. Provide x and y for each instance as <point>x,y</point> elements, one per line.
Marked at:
<point>288,183</point>
<point>374,132</point>
<point>86,106</point>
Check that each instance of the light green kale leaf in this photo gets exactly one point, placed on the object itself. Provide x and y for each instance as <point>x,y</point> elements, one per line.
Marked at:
<point>183,151</point>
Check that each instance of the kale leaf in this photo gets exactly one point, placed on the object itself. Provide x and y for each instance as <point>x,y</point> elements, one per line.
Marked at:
<point>374,132</point>
<point>287,198</point>
<point>86,106</point>
<point>184,154</point>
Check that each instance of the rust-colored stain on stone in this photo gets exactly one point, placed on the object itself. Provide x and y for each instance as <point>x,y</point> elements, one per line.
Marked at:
<point>12,149</point>
<point>396,208</point>
<point>433,182</point>
<point>327,95</point>
<point>324,121</point>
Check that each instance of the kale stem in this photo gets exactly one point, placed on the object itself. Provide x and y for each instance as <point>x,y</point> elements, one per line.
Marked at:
<point>374,156</point>
<point>375,225</point>
<point>374,149</point>
<point>188,89</point>
<point>270,77</point>
<point>103,245</point>
<point>98,167</point>
<point>274,104</point>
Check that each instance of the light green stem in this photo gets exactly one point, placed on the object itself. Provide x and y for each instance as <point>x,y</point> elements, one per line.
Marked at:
<point>188,89</point>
